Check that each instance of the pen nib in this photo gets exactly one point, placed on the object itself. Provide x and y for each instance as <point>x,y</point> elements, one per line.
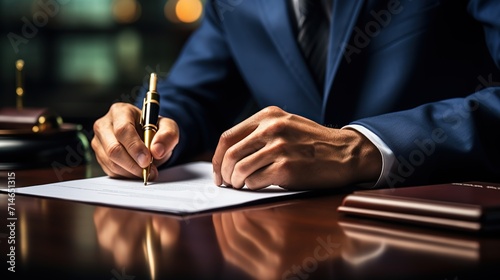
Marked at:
<point>145,175</point>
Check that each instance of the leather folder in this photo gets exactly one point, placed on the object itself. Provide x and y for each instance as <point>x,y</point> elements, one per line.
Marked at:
<point>469,206</point>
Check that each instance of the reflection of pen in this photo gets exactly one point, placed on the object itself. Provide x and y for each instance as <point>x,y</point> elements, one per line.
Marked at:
<point>149,119</point>
<point>150,248</point>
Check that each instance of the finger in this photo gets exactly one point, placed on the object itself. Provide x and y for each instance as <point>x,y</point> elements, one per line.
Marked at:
<point>100,160</point>
<point>249,155</point>
<point>228,139</point>
<point>249,165</point>
<point>125,123</point>
<point>238,152</point>
<point>101,157</point>
<point>270,165</point>
<point>118,172</point>
<point>164,140</point>
<point>262,178</point>
<point>118,161</point>
<point>111,153</point>
<point>273,174</point>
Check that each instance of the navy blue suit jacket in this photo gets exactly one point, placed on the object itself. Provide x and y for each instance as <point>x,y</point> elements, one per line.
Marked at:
<point>422,75</point>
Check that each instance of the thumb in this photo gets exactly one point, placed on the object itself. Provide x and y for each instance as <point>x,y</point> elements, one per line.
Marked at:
<point>165,140</point>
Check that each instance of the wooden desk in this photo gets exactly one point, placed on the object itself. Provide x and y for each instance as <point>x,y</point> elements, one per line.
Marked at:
<point>297,239</point>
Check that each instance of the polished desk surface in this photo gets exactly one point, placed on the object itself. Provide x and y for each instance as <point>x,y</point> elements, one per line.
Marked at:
<point>299,238</point>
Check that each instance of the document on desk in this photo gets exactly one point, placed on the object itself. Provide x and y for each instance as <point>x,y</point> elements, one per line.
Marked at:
<point>182,189</point>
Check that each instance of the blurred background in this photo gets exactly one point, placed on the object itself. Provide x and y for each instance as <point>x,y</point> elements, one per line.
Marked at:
<point>83,55</point>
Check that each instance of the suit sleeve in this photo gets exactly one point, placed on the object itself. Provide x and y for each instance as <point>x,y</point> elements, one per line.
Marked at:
<point>204,91</point>
<point>451,140</point>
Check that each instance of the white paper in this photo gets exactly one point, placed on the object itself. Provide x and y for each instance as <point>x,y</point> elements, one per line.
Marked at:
<point>182,189</point>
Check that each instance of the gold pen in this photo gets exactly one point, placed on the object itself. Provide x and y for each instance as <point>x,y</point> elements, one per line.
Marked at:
<point>149,118</point>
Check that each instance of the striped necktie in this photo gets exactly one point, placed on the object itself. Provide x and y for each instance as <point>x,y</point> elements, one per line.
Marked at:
<point>313,35</point>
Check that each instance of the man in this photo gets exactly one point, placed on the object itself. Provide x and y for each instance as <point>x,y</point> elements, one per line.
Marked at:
<point>407,95</point>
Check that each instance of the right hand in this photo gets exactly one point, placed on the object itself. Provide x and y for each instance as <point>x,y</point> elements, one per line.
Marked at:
<point>119,147</point>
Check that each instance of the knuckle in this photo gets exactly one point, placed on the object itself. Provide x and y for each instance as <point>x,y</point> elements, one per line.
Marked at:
<point>114,151</point>
<point>252,184</point>
<point>134,146</point>
<point>272,111</point>
<point>231,153</point>
<point>124,129</point>
<point>225,136</point>
<point>215,163</point>
<point>170,122</point>
<point>249,183</point>
<point>116,106</point>
<point>285,168</point>
<point>277,126</point>
<point>240,170</point>
<point>97,125</point>
<point>279,147</point>
<point>169,134</point>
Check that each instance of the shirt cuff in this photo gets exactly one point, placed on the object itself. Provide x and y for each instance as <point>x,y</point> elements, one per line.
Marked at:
<point>388,159</point>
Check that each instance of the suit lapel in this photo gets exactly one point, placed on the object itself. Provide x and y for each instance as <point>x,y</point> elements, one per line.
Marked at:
<point>344,17</point>
<point>277,22</point>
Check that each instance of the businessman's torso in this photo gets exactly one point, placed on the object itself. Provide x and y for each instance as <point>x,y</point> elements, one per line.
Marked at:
<point>384,56</point>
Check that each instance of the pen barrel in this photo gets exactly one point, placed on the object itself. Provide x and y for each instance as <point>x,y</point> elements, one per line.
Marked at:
<point>151,111</point>
<point>148,137</point>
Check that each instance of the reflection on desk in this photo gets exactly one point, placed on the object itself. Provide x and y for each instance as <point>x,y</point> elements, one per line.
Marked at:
<point>424,251</point>
<point>460,248</point>
<point>254,243</point>
<point>278,242</point>
<point>303,238</point>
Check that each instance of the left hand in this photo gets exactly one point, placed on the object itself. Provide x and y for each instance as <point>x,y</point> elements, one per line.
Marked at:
<point>274,147</point>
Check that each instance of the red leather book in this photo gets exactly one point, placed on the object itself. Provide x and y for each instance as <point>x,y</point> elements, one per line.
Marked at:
<point>470,206</point>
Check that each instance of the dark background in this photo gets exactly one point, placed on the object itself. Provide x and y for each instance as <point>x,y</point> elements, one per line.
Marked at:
<point>83,55</point>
